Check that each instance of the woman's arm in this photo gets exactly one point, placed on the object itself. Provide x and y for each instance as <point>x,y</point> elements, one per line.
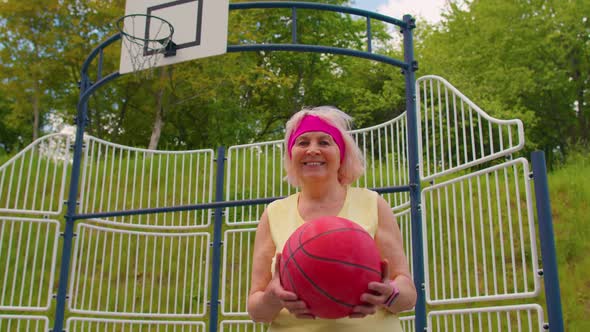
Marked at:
<point>267,297</point>
<point>389,241</point>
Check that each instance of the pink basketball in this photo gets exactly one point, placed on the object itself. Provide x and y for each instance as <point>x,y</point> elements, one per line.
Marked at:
<point>328,263</point>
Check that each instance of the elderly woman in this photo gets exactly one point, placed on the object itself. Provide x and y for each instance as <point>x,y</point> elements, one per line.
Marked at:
<point>322,160</point>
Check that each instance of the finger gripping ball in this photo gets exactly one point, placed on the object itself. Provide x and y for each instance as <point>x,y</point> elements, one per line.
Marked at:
<point>328,262</point>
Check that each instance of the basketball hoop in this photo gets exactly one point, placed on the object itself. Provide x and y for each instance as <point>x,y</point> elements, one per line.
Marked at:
<point>146,39</point>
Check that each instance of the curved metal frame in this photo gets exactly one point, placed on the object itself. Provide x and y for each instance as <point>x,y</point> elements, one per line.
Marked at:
<point>408,66</point>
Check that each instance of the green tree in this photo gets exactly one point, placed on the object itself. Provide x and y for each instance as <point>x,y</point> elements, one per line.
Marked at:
<point>516,59</point>
<point>42,46</point>
<point>27,47</point>
<point>235,98</point>
<point>82,27</point>
<point>8,136</point>
<point>246,97</point>
<point>572,33</point>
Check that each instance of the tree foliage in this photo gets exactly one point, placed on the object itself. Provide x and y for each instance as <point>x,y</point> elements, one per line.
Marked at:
<point>42,46</point>
<point>244,97</point>
<point>518,59</point>
<point>527,59</point>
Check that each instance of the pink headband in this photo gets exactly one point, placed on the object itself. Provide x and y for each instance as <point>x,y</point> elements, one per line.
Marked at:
<point>315,123</point>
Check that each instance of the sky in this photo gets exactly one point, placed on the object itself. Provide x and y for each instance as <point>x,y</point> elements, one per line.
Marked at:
<point>428,9</point>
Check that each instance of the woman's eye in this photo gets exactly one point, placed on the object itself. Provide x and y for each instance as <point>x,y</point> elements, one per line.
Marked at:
<point>324,142</point>
<point>302,143</point>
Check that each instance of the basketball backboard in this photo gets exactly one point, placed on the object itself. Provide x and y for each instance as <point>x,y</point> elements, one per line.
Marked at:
<point>199,30</point>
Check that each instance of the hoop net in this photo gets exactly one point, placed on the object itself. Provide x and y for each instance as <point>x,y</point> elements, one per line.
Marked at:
<point>145,38</point>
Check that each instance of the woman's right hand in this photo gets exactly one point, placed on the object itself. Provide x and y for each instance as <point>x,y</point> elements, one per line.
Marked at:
<point>289,300</point>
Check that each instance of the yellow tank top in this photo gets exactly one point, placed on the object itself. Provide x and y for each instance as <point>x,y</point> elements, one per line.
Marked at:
<point>359,206</point>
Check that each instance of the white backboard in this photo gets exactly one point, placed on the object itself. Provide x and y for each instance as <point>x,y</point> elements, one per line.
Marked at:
<point>200,29</point>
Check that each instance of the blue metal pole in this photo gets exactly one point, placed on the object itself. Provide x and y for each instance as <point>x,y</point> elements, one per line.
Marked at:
<point>86,88</point>
<point>548,254</point>
<point>215,273</point>
<point>315,49</point>
<point>315,6</point>
<point>294,25</point>
<point>68,234</point>
<point>414,172</point>
<point>369,36</point>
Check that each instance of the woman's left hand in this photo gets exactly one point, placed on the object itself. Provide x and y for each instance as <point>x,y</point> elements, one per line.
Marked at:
<point>380,292</point>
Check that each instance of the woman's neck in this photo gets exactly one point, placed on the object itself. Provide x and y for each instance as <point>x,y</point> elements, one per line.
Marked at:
<point>322,192</point>
<point>320,200</point>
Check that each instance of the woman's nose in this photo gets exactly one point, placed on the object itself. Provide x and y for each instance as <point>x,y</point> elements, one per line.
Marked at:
<point>313,149</point>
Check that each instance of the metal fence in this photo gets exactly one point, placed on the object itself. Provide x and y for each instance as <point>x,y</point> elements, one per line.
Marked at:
<point>153,272</point>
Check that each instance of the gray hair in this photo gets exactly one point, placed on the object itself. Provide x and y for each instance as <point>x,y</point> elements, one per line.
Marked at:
<point>353,165</point>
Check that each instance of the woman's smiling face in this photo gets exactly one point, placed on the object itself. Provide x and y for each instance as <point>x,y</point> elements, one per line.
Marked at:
<point>315,156</point>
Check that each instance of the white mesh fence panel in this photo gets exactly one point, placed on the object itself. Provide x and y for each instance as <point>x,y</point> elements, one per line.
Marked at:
<point>238,246</point>
<point>19,323</point>
<point>237,269</point>
<point>28,253</point>
<point>478,230</point>
<point>254,171</point>
<point>408,323</point>
<point>527,317</point>
<point>404,221</point>
<point>386,153</point>
<point>134,273</point>
<point>479,236</point>
<point>454,133</point>
<point>257,170</point>
<point>81,324</point>
<point>33,181</point>
<point>116,177</point>
<point>242,326</point>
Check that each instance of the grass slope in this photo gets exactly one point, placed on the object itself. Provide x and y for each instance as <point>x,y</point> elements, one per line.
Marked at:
<point>570,197</point>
